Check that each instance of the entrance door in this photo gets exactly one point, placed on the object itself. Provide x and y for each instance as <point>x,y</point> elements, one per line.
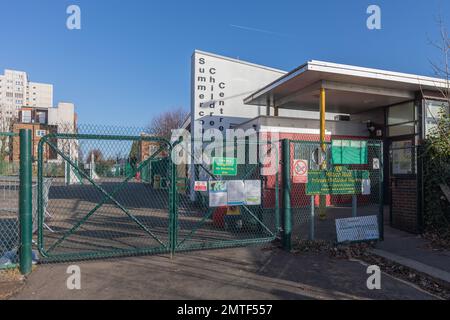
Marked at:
<point>403,186</point>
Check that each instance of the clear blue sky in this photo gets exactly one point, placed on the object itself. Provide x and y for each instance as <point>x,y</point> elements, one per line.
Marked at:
<point>131,59</point>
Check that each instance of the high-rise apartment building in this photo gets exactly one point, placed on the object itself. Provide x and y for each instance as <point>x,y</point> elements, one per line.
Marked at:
<point>16,91</point>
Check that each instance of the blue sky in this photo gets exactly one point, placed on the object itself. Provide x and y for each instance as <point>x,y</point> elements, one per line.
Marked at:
<point>131,59</point>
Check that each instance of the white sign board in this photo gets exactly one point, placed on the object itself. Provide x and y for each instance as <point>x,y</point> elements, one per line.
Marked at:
<point>253,192</point>
<point>300,171</point>
<point>357,229</point>
<point>218,193</point>
<point>376,164</point>
<point>236,192</point>
<point>365,186</point>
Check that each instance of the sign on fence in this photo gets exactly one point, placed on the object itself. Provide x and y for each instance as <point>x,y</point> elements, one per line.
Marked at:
<point>234,193</point>
<point>300,171</point>
<point>201,186</point>
<point>340,180</point>
<point>218,193</point>
<point>357,229</point>
<point>224,166</point>
<point>253,192</point>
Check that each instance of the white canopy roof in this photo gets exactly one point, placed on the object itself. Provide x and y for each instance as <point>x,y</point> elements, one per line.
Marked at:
<point>350,89</point>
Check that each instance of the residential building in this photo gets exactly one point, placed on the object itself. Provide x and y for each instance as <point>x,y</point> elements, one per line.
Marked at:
<point>17,91</point>
<point>43,121</point>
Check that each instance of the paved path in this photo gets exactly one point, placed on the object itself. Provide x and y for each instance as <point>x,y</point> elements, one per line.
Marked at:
<point>415,252</point>
<point>238,273</point>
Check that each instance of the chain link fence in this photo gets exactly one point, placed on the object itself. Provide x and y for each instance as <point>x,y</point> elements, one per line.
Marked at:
<point>9,203</point>
<point>102,191</point>
<point>95,200</point>
<point>336,191</point>
<point>235,208</point>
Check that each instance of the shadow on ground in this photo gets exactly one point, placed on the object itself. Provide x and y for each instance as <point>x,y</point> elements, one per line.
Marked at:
<point>237,273</point>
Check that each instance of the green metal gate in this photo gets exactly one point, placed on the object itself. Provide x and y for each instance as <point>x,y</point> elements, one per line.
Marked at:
<point>102,214</point>
<point>88,209</point>
<point>200,225</point>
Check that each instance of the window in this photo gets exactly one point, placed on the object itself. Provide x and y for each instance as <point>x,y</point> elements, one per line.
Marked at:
<point>432,110</point>
<point>403,158</point>
<point>401,113</point>
<point>40,133</point>
<point>26,116</point>
<point>401,119</point>
<point>41,117</point>
<point>152,149</point>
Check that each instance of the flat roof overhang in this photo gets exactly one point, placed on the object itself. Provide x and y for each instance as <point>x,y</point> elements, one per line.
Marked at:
<point>349,89</point>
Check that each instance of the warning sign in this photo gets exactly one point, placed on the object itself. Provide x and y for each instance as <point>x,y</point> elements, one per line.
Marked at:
<point>300,171</point>
<point>201,186</point>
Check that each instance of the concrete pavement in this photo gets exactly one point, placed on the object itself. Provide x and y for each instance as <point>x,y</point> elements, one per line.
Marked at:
<point>414,252</point>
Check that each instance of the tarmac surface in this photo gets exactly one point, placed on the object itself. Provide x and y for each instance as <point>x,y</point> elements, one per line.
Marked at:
<point>236,273</point>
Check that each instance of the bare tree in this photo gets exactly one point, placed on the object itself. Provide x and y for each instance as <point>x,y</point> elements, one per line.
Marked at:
<point>97,154</point>
<point>441,68</point>
<point>163,124</point>
<point>6,125</point>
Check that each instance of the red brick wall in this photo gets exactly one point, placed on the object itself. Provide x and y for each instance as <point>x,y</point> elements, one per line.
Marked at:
<point>404,204</point>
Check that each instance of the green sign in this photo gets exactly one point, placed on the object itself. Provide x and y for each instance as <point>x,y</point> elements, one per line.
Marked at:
<point>349,152</point>
<point>337,181</point>
<point>224,166</point>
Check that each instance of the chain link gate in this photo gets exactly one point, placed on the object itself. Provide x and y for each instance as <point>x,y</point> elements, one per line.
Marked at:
<point>308,222</point>
<point>103,196</point>
<point>200,225</point>
<point>92,201</point>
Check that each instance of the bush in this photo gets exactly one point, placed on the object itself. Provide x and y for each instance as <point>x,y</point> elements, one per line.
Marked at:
<point>436,172</point>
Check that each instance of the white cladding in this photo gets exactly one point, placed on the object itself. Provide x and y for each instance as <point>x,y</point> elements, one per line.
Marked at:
<point>62,115</point>
<point>219,86</point>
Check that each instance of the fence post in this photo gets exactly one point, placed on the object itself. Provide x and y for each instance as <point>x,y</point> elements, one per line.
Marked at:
<point>381,192</point>
<point>25,202</point>
<point>312,222</point>
<point>286,169</point>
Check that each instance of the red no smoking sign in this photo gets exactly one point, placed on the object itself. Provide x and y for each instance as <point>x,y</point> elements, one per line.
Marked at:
<point>300,171</point>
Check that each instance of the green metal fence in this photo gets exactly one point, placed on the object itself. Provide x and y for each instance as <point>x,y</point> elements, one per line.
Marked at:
<point>105,195</point>
<point>93,210</point>
<point>95,213</point>
<point>202,224</point>
<point>355,190</point>
<point>9,203</point>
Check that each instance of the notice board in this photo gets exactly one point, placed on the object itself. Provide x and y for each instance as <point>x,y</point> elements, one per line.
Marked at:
<point>349,152</point>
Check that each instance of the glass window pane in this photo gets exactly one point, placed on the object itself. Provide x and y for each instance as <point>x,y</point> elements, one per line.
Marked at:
<point>432,110</point>
<point>402,129</point>
<point>402,153</point>
<point>26,116</point>
<point>401,113</point>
